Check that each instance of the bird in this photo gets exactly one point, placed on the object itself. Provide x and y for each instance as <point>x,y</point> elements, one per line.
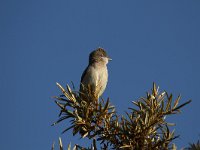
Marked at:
<point>95,76</point>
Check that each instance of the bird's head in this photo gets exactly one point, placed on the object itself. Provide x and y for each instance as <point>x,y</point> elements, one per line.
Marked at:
<point>99,56</point>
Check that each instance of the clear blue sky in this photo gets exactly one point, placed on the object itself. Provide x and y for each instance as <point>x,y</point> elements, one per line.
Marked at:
<point>48,41</point>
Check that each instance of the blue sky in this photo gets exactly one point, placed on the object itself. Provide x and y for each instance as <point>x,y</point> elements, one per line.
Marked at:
<point>45,41</point>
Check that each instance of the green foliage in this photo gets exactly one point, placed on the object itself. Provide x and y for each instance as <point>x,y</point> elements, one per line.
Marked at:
<point>144,127</point>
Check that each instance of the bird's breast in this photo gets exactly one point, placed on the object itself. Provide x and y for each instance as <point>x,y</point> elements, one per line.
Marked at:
<point>102,79</point>
<point>97,78</point>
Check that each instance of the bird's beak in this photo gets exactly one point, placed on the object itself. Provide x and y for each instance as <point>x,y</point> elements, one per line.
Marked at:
<point>109,59</point>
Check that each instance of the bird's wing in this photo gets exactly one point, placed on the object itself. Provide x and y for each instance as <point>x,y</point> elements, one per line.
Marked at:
<point>83,75</point>
<point>82,78</point>
<point>89,76</point>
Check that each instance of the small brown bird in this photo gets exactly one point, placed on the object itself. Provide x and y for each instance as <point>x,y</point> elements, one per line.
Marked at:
<point>96,74</point>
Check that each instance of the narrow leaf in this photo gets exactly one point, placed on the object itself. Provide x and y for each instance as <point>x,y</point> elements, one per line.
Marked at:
<point>68,129</point>
<point>60,143</point>
<point>177,108</point>
<point>176,101</point>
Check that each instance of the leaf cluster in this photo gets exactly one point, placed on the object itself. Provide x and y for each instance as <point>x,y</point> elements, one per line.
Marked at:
<point>194,146</point>
<point>144,127</point>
